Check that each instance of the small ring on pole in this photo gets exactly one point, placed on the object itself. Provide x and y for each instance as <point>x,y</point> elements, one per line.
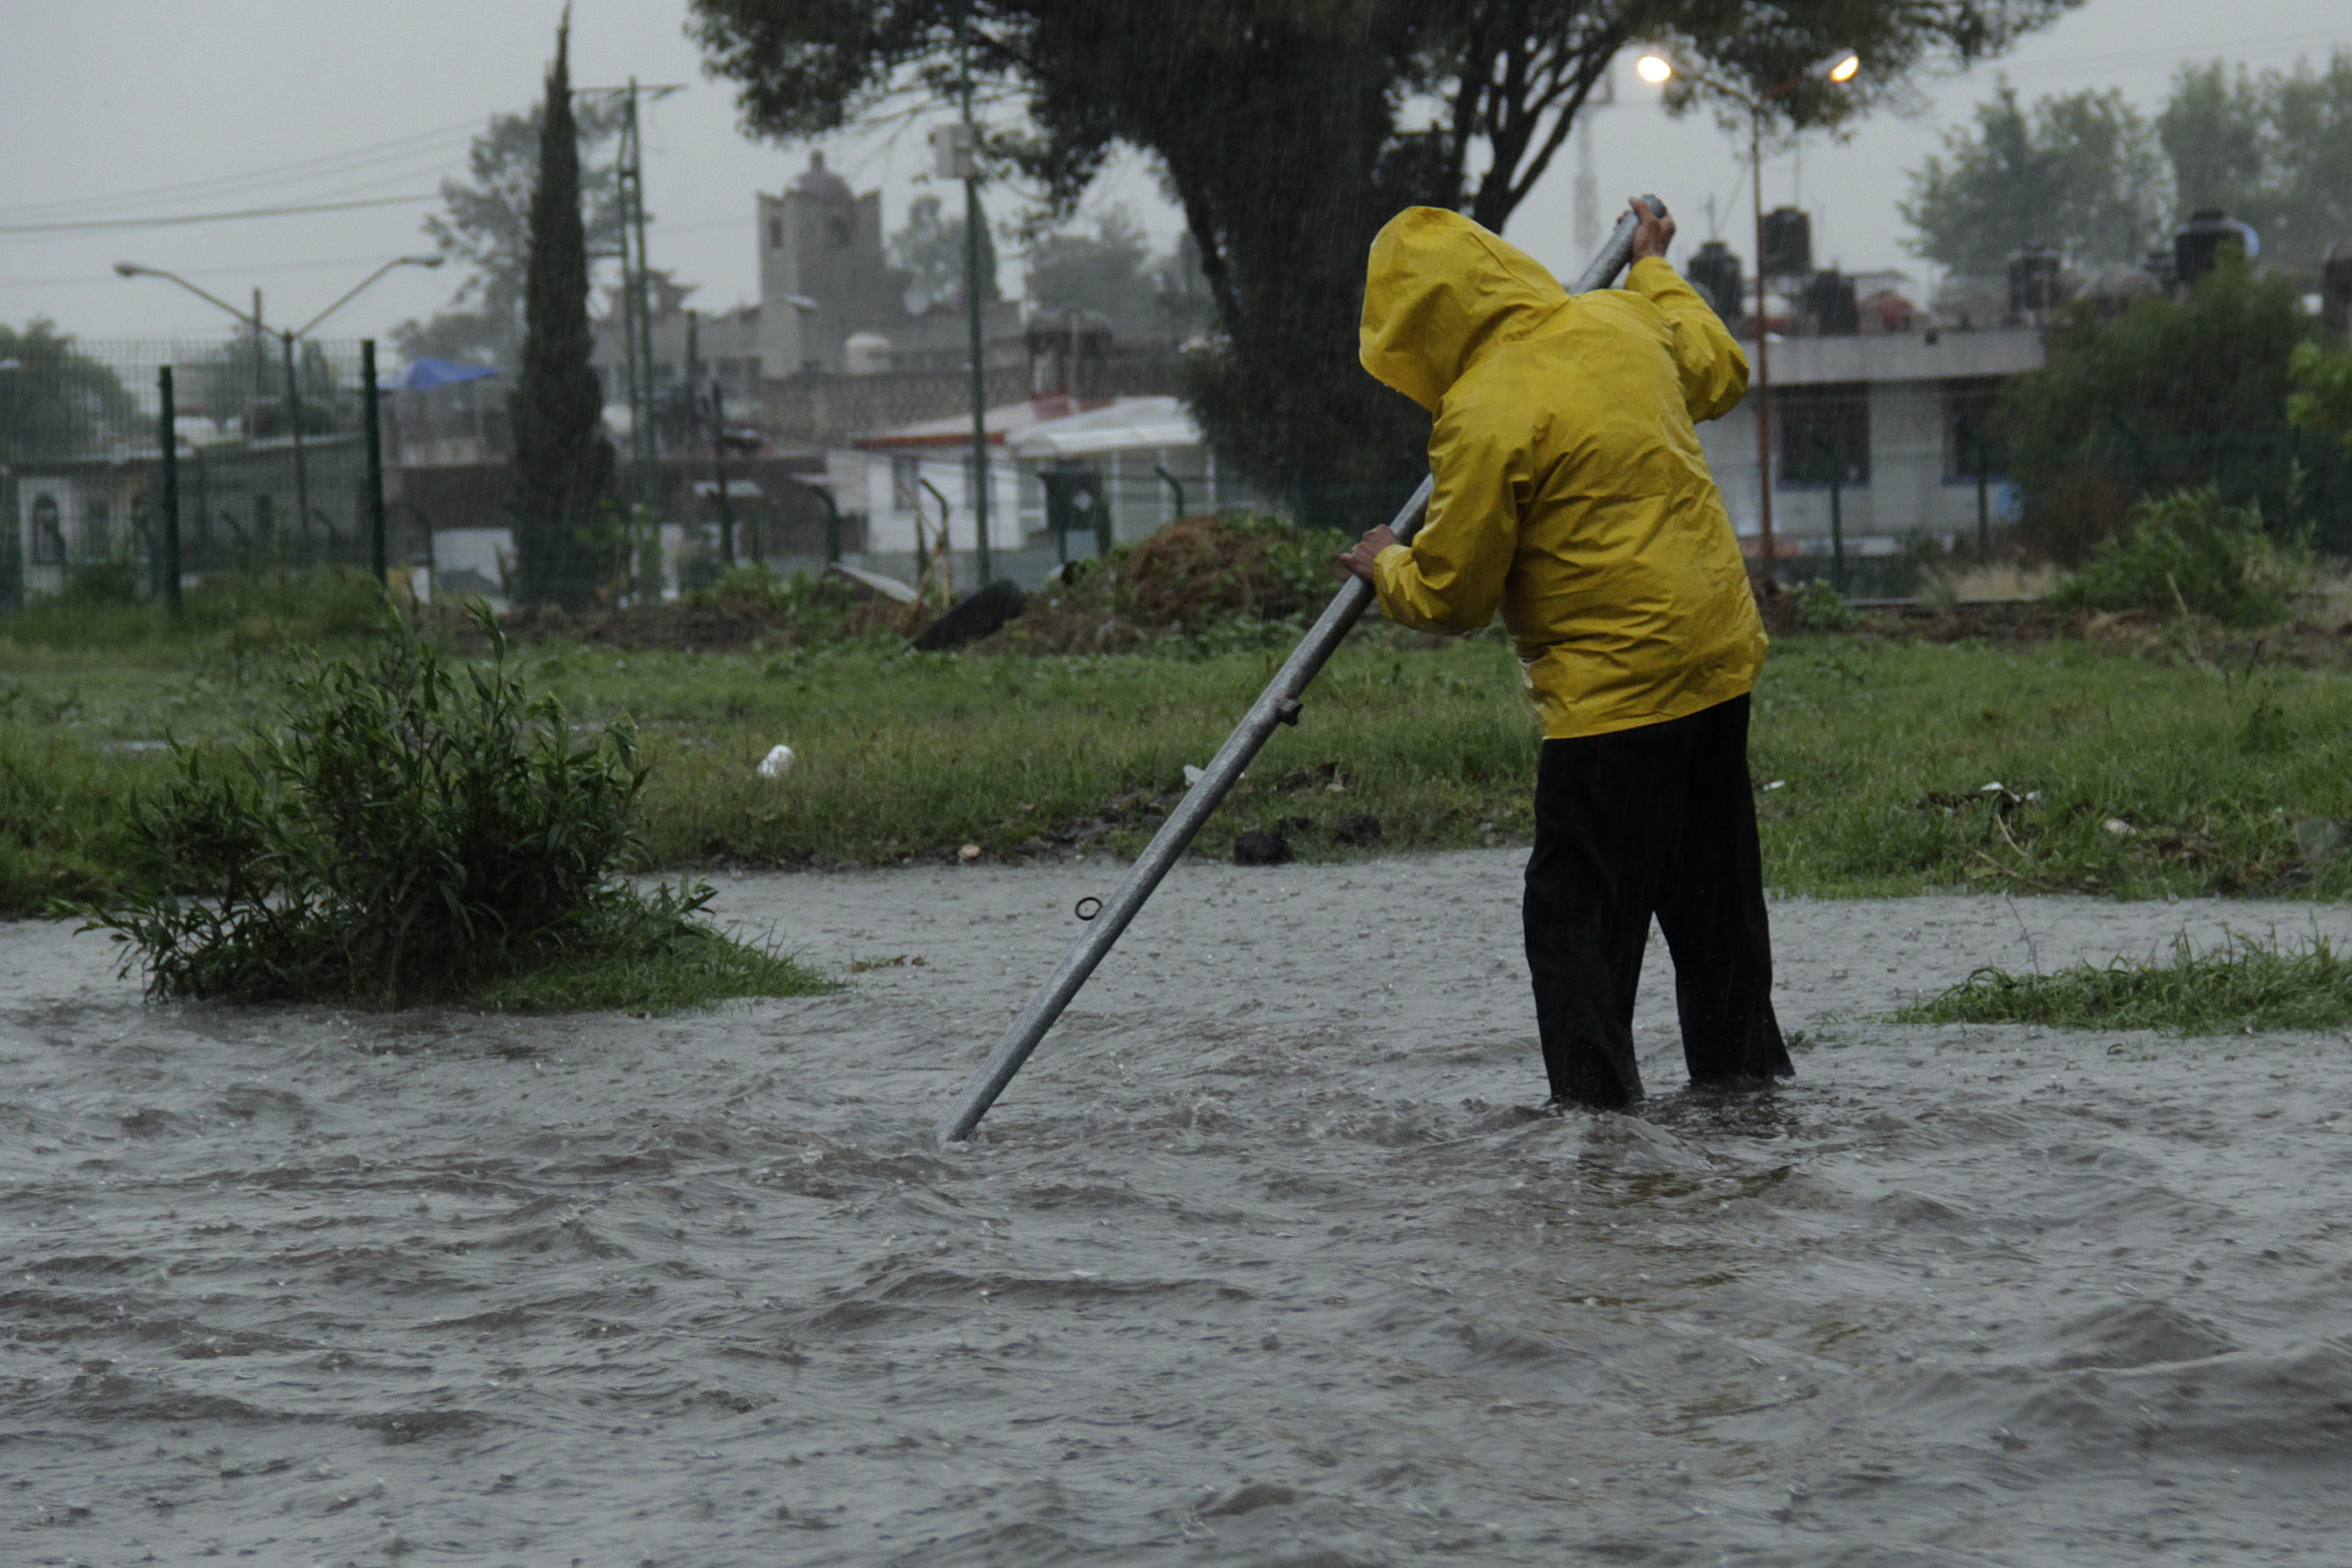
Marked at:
<point>1085,913</point>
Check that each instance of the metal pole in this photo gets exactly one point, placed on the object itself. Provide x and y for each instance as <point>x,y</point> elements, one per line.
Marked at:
<point>832,522</point>
<point>372,418</point>
<point>1984,512</point>
<point>719,471</point>
<point>1174,484</point>
<point>1837,530</point>
<point>1277,704</point>
<point>168,440</point>
<point>1763,336</point>
<point>973,219</point>
<point>294,422</point>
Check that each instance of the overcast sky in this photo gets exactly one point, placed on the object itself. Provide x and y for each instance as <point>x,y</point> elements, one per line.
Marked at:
<point>119,109</point>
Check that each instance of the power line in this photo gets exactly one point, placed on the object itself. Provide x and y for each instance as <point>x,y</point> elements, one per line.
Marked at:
<point>327,164</point>
<point>177,219</point>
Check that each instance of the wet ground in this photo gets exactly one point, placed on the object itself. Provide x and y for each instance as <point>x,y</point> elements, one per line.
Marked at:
<point>1265,1260</point>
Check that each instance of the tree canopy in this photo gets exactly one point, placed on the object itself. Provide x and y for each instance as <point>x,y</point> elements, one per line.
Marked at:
<point>2168,396</point>
<point>1288,130</point>
<point>56,401</point>
<point>2080,172</point>
<point>2274,148</point>
<point>2086,173</point>
<point>485,227</point>
<point>562,463</point>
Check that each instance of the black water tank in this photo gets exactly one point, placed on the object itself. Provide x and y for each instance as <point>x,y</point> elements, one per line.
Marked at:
<point>1716,272</point>
<point>2198,243</point>
<point>1787,243</point>
<point>1829,301</point>
<point>2032,280</point>
<point>2335,287</point>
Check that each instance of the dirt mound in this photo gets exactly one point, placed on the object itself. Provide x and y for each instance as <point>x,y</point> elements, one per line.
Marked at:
<point>1195,574</point>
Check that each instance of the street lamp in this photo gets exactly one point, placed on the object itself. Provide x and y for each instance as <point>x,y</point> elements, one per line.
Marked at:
<point>286,341</point>
<point>1837,67</point>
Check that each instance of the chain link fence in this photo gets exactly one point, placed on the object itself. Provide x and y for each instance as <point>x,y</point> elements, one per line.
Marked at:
<point>272,461</point>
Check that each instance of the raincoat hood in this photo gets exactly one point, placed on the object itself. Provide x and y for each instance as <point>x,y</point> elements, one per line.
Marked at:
<point>1438,291</point>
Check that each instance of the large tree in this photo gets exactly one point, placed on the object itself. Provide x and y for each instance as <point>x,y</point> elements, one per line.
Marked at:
<point>2274,148</point>
<point>485,230</point>
<point>562,463</point>
<point>2170,395</point>
<point>2080,172</point>
<point>1290,130</point>
<point>56,401</point>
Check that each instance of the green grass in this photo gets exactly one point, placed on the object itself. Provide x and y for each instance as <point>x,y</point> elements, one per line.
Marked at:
<point>698,973</point>
<point>2243,986</point>
<point>1880,748</point>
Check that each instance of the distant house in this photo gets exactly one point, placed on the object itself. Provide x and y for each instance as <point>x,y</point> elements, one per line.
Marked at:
<point>1130,456</point>
<point>1890,420</point>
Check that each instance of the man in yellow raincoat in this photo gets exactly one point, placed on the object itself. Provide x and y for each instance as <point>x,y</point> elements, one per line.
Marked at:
<point>1572,494</point>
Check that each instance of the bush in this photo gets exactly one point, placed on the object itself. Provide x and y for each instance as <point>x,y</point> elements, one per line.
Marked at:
<point>2190,552</point>
<point>407,834</point>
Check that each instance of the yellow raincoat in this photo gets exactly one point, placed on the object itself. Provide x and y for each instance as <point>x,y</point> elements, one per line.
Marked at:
<point>1571,487</point>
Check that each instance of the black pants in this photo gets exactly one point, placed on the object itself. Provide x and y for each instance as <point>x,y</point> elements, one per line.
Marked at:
<point>1657,820</point>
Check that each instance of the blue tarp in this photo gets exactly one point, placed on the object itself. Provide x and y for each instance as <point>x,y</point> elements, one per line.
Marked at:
<point>423,375</point>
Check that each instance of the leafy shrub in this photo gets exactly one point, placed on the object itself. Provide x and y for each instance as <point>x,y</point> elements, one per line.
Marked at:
<point>406,833</point>
<point>2189,551</point>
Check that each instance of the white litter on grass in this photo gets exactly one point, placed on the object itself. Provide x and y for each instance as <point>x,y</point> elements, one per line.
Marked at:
<point>1191,775</point>
<point>778,762</point>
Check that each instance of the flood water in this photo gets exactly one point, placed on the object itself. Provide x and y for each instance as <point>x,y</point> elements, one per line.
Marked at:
<point>1265,1260</point>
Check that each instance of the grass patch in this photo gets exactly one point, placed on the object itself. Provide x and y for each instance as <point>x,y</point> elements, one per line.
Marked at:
<point>2242,986</point>
<point>405,832</point>
<point>697,968</point>
<point>2120,773</point>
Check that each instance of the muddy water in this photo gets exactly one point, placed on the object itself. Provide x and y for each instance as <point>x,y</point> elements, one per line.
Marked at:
<point>1264,1261</point>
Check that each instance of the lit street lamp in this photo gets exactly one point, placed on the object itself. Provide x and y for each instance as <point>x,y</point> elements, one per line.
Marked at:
<point>286,341</point>
<point>1839,66</point>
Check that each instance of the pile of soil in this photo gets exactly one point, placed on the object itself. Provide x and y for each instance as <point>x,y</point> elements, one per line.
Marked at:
<point>1193,574</point>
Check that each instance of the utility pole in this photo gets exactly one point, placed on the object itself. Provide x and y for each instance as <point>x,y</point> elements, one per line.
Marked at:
<point>168,440</point>
<point>972,220</point>
<point>636,291</point>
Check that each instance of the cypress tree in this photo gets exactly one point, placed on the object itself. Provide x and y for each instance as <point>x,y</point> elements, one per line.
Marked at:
<point>562,463</point>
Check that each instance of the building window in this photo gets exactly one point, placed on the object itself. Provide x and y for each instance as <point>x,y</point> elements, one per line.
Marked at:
<point>48,539</point>
<point>839,229</point>
<point>1824,433</point>
<point>1968,412</point>
<point>95,544</point>
<point>905,484</point>
<point>775,234</point>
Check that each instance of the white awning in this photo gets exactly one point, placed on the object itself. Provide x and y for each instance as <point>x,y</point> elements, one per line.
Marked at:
<point>1129,425</point>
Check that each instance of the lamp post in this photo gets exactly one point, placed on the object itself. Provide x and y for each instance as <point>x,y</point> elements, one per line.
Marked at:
<point>1839,66</point>
<point>286,340</point>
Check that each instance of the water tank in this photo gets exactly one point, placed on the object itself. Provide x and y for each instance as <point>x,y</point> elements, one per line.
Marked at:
<point>1716,271</point>
<point>2198,243</point>
<point>1830,302</point>
<point>1787,243</point>
<point>2034,282</point>
<point>2335,287</point>
<point>866,353</point>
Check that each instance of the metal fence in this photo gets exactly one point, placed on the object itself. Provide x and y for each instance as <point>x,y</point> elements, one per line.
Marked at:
<point>271,460</point>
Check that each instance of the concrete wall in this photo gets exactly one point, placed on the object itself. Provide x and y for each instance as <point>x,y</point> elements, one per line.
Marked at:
<point>1915,485</point>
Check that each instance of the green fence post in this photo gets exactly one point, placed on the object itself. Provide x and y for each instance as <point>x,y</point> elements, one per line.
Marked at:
<point>167,437</point>
<point>1837,533</point>
<point>1984,512</point>
<point>373,415</point>
<point>832,522</point>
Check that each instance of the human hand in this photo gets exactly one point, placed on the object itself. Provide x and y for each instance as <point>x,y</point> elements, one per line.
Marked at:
<point>1367,550</point>
<point>1657,233</point>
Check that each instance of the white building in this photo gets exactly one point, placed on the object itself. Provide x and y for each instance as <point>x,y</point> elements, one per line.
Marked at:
<point>1888,420</point>
<point>1133,457</point>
